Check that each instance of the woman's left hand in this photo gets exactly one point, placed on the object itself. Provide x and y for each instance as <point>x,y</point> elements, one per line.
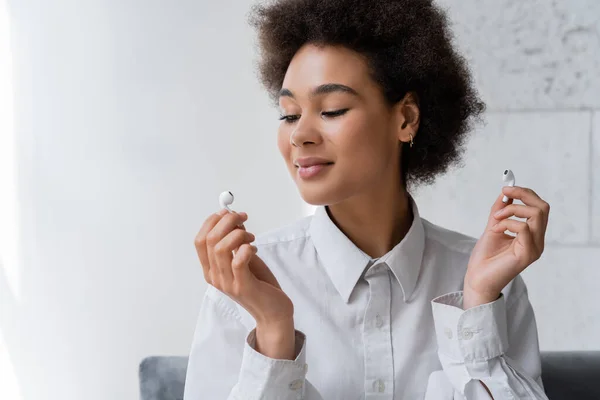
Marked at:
<point>498,258</point>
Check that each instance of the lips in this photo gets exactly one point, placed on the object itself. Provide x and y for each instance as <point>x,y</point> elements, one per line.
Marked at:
<point>313,164</point>
<point>312,170</point>
<point>306,162</point>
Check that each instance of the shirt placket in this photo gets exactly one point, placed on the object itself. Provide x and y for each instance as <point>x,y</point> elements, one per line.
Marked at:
<point>377,338</point>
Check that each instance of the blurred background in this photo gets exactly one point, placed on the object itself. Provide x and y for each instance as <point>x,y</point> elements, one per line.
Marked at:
<point>122,121</point>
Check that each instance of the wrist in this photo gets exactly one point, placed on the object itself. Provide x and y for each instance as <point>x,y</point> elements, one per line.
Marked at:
<point>276,340</point>
<point>473,299</point>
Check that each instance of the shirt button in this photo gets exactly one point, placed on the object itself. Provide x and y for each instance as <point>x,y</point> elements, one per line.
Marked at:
<point>295,385</point>
<point>448,332</point>
<point>467,334</point>
<point>379,386</point>
<point>378,321</point>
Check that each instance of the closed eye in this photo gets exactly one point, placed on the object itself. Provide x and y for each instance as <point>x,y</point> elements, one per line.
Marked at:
<point>292,118</point>
<point>289,118</point>
<point>335,113</point>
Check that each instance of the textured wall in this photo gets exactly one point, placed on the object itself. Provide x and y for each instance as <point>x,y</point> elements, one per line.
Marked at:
<point>537,66</point>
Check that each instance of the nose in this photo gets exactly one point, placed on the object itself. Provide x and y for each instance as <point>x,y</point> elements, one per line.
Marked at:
<point>303,135</point>
<point>298,139</point>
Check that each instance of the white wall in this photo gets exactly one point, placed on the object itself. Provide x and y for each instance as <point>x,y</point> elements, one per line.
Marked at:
<point>537,65</point>
<point>130,117</point>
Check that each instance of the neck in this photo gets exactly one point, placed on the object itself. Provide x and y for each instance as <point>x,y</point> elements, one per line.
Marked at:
<point>375,222</point>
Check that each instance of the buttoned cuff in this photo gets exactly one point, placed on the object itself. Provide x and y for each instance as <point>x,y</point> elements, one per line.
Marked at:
<point>267,378</point>
<point>471,336</point>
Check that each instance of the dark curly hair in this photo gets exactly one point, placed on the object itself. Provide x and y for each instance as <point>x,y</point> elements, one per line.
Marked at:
<point>408,47</point>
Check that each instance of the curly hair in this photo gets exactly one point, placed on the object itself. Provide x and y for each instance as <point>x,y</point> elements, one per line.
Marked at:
<point>408,48</point>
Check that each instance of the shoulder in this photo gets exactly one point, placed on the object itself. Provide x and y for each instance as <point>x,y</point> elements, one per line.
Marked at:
<point>292,232</point>
<point>280,246</point>
<point>447,239</point>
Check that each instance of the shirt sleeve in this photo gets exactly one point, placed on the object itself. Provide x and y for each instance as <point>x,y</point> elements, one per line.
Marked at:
<point>223,362</point>
<point>495,343</point>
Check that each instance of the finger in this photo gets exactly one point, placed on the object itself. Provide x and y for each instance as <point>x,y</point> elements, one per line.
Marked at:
<point>239,225</point>
<point>498,205</point>
<point>528,197</point>
<point>235,239</point>
<point>244,217</point>
<point>243,278</point>
<point>243,214</point>
<point>224,226</point>
<point>261,271</point>
<point>512,225</point>
<point>524,235</point>
<point>242,227</point>
<point>214,273</point>
<point>535,219</point>
<point>201,246</point>
<point>223,251</point>
<point>519,210</point>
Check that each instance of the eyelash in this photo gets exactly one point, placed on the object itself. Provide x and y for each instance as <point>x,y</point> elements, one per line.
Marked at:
<point>336,113</point>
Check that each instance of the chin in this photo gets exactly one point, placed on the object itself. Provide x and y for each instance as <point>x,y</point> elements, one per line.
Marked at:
<point>320,194</point>
<point>325,191</point>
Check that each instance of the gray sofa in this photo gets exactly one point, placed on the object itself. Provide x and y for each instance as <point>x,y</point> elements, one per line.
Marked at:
<point>566,376</point>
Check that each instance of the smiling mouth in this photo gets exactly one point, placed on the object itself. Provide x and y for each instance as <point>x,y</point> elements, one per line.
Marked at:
<point>312,171</point>
<point>308,166</point>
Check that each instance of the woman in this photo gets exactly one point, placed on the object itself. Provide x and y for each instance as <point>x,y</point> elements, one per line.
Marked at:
<point>376,301</point>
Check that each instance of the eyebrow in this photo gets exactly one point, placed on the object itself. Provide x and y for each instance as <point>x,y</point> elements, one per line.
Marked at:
<point>322,89</point>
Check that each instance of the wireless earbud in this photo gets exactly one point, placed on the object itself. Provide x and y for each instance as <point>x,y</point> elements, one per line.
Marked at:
<point>225,200</point>
<point>509,180</point>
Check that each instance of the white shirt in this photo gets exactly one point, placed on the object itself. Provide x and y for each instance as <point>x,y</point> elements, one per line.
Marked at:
<point>386,328</point>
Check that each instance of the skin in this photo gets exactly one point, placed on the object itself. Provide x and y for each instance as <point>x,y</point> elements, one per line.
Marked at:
<point>362,190</point>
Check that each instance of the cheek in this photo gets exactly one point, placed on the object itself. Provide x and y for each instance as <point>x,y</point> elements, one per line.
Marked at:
<point>283,143</point>
<point>360,142</point>
<point>364,153</point>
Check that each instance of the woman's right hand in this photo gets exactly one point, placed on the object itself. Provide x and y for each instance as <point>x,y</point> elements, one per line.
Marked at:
<point>246,279</point>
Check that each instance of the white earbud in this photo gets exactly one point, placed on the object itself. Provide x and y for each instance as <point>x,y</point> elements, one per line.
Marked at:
<point>225,200</point>
<point>509,180</point>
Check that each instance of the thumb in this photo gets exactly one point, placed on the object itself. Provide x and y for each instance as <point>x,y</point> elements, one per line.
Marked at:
<point>497,206</point>
<point>240,265</point>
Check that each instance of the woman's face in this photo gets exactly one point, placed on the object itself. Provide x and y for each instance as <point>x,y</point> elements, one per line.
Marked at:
<point>362,141</point>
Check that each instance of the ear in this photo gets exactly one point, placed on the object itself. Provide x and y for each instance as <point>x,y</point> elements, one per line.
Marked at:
<point>408,116</point>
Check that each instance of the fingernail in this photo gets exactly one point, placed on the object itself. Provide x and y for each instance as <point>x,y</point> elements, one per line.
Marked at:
<point>498,212</point>
<point>252,236</point>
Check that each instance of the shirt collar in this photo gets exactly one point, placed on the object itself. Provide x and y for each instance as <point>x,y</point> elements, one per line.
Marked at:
<point>345,262</point>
